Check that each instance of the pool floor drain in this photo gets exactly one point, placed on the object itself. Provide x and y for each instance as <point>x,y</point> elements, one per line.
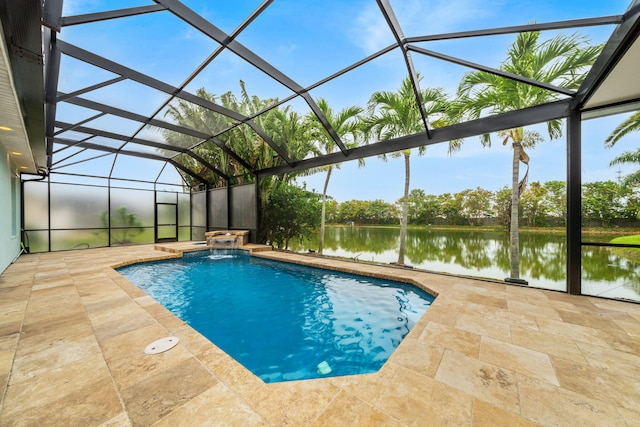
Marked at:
<point>161,345</point>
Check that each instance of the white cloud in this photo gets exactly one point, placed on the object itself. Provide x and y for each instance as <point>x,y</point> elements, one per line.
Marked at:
<point>418,17</point>
<point>370,31</point>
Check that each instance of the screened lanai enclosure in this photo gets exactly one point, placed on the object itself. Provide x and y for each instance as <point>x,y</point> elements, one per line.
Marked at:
<point>160,120</point>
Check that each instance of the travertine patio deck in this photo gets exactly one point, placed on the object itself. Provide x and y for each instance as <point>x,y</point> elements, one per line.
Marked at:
<point>72,334</point>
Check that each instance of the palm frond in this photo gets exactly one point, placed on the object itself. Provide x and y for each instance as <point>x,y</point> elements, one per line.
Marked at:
<point>632,124</point>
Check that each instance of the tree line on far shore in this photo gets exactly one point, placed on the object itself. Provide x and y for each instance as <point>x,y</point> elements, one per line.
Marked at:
<point>541,205</point>
<point>294,212</point>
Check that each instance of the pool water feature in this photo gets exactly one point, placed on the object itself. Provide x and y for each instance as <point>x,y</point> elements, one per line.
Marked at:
<point>283,321</point>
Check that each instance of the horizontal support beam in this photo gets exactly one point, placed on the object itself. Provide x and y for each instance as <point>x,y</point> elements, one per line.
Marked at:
<point>147,143</point>
<point>114,67</point>
<point>524,117</point>
<point>103,148</point>
<point>64,96</point>
<point>85,103</point>
<point>493,71</point>
<point>111,14</point>
<point>557,25</point>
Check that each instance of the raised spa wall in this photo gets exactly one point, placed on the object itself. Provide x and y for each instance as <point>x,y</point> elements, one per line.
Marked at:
<point>224,239</point>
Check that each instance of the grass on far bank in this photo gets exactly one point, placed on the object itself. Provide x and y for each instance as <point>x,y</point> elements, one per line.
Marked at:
<point>632,254</point>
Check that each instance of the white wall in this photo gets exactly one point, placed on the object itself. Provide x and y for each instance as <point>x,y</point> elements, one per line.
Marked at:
<point>9,220</point>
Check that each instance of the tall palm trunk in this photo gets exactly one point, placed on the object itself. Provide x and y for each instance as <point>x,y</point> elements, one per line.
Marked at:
<point>324,209</point>
<point>405,209</point>
<point>514,247</point>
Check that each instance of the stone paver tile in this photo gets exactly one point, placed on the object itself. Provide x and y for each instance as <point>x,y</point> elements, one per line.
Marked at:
<point>614,361</point>
<point>512,319</point>
<point>217,406</point>
<point>123,325</point>
<point>369,387</point>
<point>534,310</point>
<point>50,313</point>
<point>132,290</point>
<point>621,340</point>
<point>561,305</point>
<point>445,336</point>
<point>526,294</point>
<point>487,300</point>
<point>111,310</point>
<point>570,331</point>
<point>548,405</point>
<point>93,404</point>
<point>348,410</point>
<point>11,322</point>
<point>596,383</point>
<point>545,343</point>
<point>421,401</point>
<point>481,326</point>
<point>488,415</point>
<point>292,403</point>
<point>479,379</point>
<point>108,303</point>
<point>418,355</point>
<point>170,321</point>
<point>70,327</point>
<point>229,371</point>
<point>95,292</point>
<point>54,384</point>
<point>6,361</point>
<point>442,314</point>
<point>120,420</point>
<point>29,364</point>
<point>519,359</point>
<point>14,294</point>
<point>590,320</point>
<point>157,395</point>
<point>157,310</point>
<point>9,342</point>
<point>145,300</point>
<point>121,346</point>
<point>52,282</point>
<point>632,327</point>
<point>465,288</point>
<point>138,365</point>
<point>631,417</point>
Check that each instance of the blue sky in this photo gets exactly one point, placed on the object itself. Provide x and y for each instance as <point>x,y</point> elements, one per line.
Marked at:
<point>311,40</point>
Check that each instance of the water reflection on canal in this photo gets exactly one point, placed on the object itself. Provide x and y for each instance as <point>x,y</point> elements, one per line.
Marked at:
<point>486,254</point>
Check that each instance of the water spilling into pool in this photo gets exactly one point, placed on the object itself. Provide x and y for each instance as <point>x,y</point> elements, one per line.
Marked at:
<point>283,321</point>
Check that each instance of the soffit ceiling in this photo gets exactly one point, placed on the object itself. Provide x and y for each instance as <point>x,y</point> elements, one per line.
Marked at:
<point>22,85</point>
<point>621,86</point>
<point>106,101</point>
<point>13,134</point>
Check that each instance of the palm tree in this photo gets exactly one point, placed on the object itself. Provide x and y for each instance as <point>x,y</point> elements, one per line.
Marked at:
<point>562,61</point>
<point>345,123</point>
<point>285,127</point>
<point>632,124</point>
<point>204,120</point>
<point>629,157</point>
<point>396,114</point>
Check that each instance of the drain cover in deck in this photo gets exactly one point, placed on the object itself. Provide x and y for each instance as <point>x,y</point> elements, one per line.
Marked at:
<point>161,345</point>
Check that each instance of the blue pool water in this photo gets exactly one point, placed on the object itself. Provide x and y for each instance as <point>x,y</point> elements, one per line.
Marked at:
<point>283,321</point>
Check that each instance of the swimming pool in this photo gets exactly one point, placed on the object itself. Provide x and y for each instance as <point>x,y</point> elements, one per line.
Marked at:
<point>284,321</point>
